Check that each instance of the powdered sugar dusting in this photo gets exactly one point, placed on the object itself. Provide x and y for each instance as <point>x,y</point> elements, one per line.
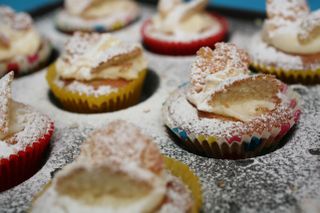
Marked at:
<point>282,12</point>
<point>286,180</point>
<point>5,96</point>
<point>18,21</point>
<point>35,125</point>
<point>178,197</point>
<point>310,27</point>
<point>225,58</point>
<point>81,43</point>
<point>262,53</point>
<point>119,135</point>
<point>81,88</point>
<point>180,113</point>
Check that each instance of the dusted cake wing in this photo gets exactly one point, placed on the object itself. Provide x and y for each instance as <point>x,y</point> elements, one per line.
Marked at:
<point>5,96</point>
<point>244,99</point>
<point>310,27</point>
<point>88,52</point>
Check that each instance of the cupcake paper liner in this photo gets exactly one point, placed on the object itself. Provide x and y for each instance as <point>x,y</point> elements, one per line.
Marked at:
<point>289,76</point>
<point>69,26</point>
<point>183,48</point>
<point>21,166</point>
<point>22,65</point>
<point>76,102</point>
<point>184,173</point>
<point>236,146</point>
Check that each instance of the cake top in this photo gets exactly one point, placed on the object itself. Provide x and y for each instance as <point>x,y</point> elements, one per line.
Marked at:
<point>221,83</point>
<point>123,143</point>
<point>226,58</point>
<point>87,56</point>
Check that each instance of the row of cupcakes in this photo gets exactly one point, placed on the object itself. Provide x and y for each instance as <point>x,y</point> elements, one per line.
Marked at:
<point>224,112</point>
<point>288,45</point>
<point>100,73</point>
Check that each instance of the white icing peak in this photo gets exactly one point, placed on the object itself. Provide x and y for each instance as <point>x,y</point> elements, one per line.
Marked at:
<point>17,35</point>
<point>178,17</point>
<point>100,56</point>
<point>291,27</point>
<point>221,84</point>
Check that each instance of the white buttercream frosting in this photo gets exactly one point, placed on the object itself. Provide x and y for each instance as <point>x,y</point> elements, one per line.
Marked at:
<point>292,28</point>
<point>17,35</point>
<point>100,56</point>
<point>221,84</point>
<point>183,20</point>
<point>97,8</point>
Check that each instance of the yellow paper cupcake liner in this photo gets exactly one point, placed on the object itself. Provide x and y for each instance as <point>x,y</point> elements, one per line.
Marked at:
<point>183,172</point>
<point>76,102</point>
<point>290,76</point>
<point>177,169</point>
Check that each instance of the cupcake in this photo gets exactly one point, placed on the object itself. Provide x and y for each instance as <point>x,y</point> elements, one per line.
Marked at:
<point>113,174</point>
<point>24,137</point>
<point>22,48</point>
<point>289,44</point>
<point>228,112</point>
<point>181,28</point>
<point>96,15</point>
<point>98,73</point>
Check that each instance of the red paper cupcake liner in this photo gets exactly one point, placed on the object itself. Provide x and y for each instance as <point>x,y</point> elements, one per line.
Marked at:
<point>21,166</point>
<point>183,48</point>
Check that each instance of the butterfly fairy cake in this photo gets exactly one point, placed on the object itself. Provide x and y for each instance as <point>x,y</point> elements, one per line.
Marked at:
<point>226,111</point>
<point>22,48</point>
<point>113,174</point>
<point>96,15</point>
<point>288,45</point>
<point>24,137</point>
<point>181,28</point>
<point>98,73</point>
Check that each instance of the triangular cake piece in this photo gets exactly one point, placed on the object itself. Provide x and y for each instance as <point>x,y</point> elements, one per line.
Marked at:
<point>5,96</point>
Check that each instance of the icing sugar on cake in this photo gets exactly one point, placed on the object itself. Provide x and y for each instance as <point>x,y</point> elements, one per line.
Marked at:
<point>309,27</point>
<point>177,198</point>
<point>225,58</point>
<point>262,53</point>
<point>5,96</point>
<point>20,125</point>
<point>283,11</point>
<point>81,88</point>
<point>179,112</point>
<point>117,142</point>
<point>104,47</point>
<point>18,21</point>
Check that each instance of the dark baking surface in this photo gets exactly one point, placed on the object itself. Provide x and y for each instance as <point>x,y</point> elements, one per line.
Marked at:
<point>286,180</point>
